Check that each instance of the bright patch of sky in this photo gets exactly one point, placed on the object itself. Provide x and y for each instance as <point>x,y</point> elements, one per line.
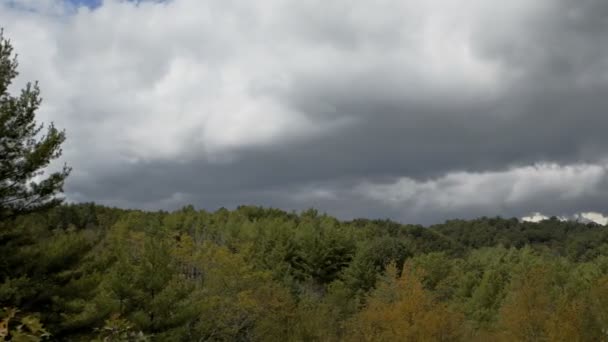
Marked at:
<point>585,217</point>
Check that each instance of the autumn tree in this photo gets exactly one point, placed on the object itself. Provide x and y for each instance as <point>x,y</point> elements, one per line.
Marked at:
<point>25,151</point>
<point>400,309</point>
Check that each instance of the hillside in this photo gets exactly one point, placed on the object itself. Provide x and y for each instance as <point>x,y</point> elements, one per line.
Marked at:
<point>256,274</point>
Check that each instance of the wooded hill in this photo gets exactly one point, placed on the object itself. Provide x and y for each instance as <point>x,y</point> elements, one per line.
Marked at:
<point>84,272</point>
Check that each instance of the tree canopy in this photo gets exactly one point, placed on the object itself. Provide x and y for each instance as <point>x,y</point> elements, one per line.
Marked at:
<point>86,272</point>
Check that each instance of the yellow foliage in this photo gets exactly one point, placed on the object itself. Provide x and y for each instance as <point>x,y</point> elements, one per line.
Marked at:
<point>599,301</point>
<point>536,310</point>
<point>400,309</point>
<point>525,314</point>
<point>567,323</point>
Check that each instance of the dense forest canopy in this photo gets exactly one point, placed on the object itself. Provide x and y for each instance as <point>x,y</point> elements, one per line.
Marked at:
<point>85,272</point>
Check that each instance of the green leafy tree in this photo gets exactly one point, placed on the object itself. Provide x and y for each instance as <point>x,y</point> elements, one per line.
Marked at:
<point>24,151</point>
<point>25,328</point>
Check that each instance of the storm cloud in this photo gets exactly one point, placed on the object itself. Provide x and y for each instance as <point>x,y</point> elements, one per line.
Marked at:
<point>417,111</point>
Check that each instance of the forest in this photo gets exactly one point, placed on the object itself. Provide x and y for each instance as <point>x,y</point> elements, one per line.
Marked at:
<point>84,272</point>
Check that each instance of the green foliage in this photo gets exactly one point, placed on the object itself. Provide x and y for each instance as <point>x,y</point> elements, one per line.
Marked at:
<point>23,154</point>
<point>89,272</point>
<point>577,241</point>
<point>21,328</point>
<point>117,329</point>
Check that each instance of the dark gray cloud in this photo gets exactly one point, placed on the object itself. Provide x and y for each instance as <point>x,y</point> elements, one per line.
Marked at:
<point>415,111</point>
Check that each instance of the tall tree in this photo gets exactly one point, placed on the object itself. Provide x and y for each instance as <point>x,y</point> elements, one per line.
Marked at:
<point>25,151</point>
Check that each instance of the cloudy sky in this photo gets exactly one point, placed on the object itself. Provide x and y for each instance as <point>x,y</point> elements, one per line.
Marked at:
<point>414,110</point>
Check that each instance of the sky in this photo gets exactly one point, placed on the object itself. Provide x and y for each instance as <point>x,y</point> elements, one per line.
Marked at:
<point>418,111</point>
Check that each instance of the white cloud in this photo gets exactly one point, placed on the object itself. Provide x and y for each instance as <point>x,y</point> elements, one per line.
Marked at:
<point>584,217</point>
<point>592,217</point>
<point>198,79</point>
<point>535,217</point>
<point>162,82</point>
<point>493,191</point>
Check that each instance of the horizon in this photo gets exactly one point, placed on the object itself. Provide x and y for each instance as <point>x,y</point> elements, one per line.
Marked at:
<point>417,112</point>
<point>584,218</point>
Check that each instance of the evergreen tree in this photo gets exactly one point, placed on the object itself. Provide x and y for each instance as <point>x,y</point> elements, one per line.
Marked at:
<point>24,152</point>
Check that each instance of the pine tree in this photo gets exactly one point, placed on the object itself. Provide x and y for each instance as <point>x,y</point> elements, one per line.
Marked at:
<point>24,152</point>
